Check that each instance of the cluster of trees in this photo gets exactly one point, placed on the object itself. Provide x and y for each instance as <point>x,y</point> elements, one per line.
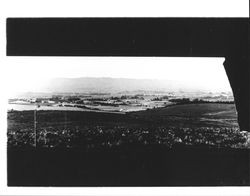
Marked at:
<point>187,100</point>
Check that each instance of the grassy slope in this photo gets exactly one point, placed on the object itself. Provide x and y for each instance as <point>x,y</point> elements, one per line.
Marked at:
<point>194,110</point>
<point>132,166</point>
<point>204,113</point>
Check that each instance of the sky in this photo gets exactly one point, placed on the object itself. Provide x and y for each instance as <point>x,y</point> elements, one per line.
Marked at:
<point>31,73</point>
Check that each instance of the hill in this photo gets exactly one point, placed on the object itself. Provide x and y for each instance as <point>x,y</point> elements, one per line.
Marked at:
<point>114,85</point>
<point>186,115</point>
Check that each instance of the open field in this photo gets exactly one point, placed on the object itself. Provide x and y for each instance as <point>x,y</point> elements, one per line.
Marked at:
<point>180,145</point>
<point>193,115</point>
<point>211,110</point>
<point>210,124</point>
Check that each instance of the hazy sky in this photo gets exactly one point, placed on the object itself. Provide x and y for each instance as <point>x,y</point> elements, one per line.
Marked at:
<point>29,73</point>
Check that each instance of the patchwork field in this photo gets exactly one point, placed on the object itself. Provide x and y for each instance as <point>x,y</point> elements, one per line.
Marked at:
<point>209,124</point>
<point>193,115</point>
<point>181,145</point>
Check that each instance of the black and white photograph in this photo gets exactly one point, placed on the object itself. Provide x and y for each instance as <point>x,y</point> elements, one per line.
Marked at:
<point>123,102</point>
<point>124,122</point>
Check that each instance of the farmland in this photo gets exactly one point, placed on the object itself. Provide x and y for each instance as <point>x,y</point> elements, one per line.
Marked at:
<point>74,128</point>
<point>193,115</point>
<point>193,144</point>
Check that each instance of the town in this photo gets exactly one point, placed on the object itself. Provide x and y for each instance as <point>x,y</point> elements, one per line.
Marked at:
<point>118,102</point>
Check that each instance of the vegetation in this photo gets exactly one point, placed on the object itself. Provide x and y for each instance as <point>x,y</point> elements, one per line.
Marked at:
<point>200,125</point>
<point>180,145</point>
<point>197,100</point>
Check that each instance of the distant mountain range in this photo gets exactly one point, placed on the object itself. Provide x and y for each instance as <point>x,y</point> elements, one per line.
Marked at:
<point>115,85</point>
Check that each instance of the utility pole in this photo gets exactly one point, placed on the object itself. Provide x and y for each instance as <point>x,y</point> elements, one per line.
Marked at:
<point>65,120</point>
<point>35,126</point>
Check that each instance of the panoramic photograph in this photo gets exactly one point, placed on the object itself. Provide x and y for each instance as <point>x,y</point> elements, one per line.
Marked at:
<point>121,122</point>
